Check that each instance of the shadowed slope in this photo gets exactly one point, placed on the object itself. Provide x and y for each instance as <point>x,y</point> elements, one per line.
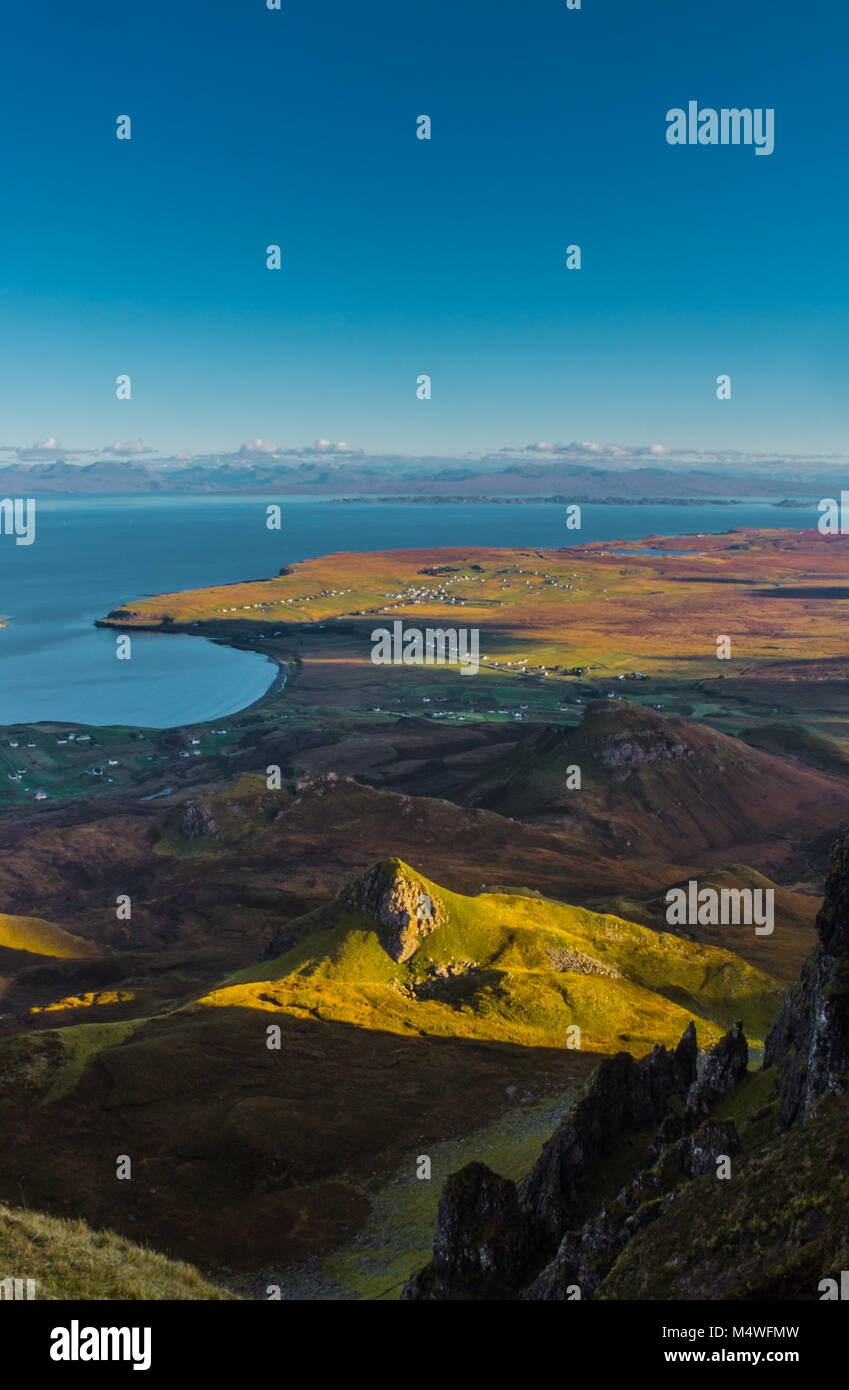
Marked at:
<point>668,785</point>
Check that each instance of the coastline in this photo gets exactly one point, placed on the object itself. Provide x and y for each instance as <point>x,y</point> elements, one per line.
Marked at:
<point>538,673</point>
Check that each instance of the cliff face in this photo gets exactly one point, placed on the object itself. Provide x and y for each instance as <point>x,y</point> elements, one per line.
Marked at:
<point>586,1256</point>
<point>624,1097</point>
<point>809,1041</point>
<point>197,821</point>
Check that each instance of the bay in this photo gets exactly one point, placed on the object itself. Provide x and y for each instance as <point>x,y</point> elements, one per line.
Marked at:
<point>93,554</point>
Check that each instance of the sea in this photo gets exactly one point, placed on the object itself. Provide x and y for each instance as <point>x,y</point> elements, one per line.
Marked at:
<point>92,554</point>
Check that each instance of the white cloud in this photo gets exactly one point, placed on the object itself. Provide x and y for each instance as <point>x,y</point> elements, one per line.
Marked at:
<point>259,446</point>
<point>320,449</point>
<point>324,446</point>
<point>129,450</point>
<point>539,457</point>
<point>723,462</point>
<point>45,452</point>
<point>580,449</point>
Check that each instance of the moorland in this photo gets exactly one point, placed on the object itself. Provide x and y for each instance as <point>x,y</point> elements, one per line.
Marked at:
<point>267,874</point>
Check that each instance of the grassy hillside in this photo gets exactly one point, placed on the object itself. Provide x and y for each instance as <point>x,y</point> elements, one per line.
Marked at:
<point>508,968</point>
<point>41,938</point>
<point>828,754</point>
<point>774,1231</point>
<point>780,954</point>
<point>69,1260</point>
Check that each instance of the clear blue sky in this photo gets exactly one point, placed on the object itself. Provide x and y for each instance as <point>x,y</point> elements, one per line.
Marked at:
<point>404,257</point>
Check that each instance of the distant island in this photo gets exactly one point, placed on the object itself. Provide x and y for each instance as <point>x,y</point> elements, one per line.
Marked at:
<point>559,499</point>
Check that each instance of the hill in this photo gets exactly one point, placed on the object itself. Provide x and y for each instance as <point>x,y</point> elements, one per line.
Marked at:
<point>779,954</point>
<point>428,480</point>
<point>658,784</point>
<point>398,952</point>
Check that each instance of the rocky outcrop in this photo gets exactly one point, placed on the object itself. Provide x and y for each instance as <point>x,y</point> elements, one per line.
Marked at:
<point>197,821</point>
<point>809,1041</point>
<point>402,911</point>
<point>725,1066</point>
<point>724,1069</point>
<point>564,958</point>
<point>633,749</point>
<point>585,1257</point>
<point>780,1222</point>
<point>481,1242</point>
<point>491,1235</point>
<point>625,1096</point>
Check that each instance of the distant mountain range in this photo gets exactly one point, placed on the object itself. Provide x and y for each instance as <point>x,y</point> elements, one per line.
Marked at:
<point>366,478</point>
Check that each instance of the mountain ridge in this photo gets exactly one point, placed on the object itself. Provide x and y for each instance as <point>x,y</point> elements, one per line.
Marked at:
<point>373,476</point>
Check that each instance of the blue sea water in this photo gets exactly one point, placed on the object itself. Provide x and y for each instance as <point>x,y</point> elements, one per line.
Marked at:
<point>93,554</point>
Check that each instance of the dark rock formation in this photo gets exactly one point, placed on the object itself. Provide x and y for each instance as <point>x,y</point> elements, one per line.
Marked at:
<point>725,1066</point>
<point>491,1236</point>
<point>701,1151</point>
<point>481,1242</point>
<point>197,821</point>
<point>586,1256</point>
<point>809,1040</point>
<point>623,1097</point>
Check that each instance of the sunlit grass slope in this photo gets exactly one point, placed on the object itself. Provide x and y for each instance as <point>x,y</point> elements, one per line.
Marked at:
<point>507,968</point>
<point>41,938</point>
<point>68,1260</point>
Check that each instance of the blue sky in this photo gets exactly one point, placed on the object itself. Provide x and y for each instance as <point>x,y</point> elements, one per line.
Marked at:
<point>403,257</point>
